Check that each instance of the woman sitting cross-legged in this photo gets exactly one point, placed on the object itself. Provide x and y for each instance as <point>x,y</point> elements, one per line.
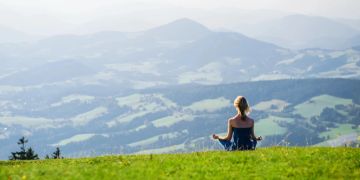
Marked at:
<point>241,127</point>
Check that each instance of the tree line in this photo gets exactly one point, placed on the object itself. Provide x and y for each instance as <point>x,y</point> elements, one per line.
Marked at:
<point>29,153</point>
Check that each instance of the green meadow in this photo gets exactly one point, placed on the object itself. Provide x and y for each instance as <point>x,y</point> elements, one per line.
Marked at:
<point>342,129</point>
<point>263,163</point>
<point>316,105</point>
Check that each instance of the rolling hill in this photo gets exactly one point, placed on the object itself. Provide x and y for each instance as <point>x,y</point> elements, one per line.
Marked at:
<point>97,119</point>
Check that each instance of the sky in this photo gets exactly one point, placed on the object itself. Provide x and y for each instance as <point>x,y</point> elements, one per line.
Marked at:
<point>15,12</point>
<point>84,8</point>
<point>333,8</point>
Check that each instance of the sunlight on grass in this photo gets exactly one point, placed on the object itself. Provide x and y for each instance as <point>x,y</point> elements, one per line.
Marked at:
<point>315,105</point>
<point>74,97</point>
<point>209,105</point>
<point>264,163</point>
<point>173,119</point>
<point>269,126</point>
<point>342,129</point>
<point>275,105</point>
<point>74,139</point>
<point>167,149</point>
<point>154,139</point>
<point>84,118</point>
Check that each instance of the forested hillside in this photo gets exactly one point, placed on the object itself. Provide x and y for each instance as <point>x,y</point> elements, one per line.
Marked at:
<point>100,120</point>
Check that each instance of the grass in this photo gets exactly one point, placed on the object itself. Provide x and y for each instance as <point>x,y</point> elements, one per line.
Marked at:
<point>209,105</point>
<point>264,163</point>
<point>74,139</point>
<point>317,104</point>
<point>85,118</point>
<point>168,121</point>
<point>74,97</point>
<point>278,105</point>
<point>269,126</point>
<point>147,101</point>
<point>154,139</point>
<point>167,149</point>
<point>141,105</point>
<point>342,129</point>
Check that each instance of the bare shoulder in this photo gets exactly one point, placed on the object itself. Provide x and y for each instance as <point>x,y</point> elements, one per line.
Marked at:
<point>251,120</point>
<point>233,117</point>
<point>231,120</point>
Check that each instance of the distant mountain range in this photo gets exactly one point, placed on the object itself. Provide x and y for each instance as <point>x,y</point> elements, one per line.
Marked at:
<point>293,31</point>
<point>8,35</point>
<point>182,51</point>
<point>302,31</point>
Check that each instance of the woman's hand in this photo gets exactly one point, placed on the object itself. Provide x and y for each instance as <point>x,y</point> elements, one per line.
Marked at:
<point>259,138</point>
<point>215,136</point>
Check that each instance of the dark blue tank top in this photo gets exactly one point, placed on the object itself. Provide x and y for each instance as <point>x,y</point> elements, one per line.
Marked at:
<point>242,138</point>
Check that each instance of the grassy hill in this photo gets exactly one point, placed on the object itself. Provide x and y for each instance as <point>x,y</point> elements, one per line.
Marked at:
<point>269,163</point>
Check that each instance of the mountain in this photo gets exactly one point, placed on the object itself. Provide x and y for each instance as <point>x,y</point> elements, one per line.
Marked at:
<point>51,72</point>
<point>353,41</point>
<point>179,52</point>
<point>227,44</point>
<point>354,23</point>
<point>85,122</point>
<point>176,46</point>
<point>301,31</point>
<point>8,35</point>
<point>179,30</point>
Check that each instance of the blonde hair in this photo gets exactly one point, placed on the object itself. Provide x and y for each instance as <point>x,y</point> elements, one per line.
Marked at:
<point>242,106</point>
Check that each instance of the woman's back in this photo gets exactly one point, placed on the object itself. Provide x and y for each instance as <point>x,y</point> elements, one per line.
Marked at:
<point>237,122</point>
<point>242,130</point>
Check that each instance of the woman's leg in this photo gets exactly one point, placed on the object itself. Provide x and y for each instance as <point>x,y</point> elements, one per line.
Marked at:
<point>254,143</point>
<point>226,144</point>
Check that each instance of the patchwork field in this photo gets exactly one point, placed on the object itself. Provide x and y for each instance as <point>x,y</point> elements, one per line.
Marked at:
<point>316,105</point>
<point>269,126</point>
<point>178,119</point>
<point>342,129</point>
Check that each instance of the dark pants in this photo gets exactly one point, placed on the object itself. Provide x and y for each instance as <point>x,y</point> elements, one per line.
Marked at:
<point>230,146</point>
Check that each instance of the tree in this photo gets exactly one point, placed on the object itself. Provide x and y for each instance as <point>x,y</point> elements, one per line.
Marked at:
<point>22,142</point>
<point>57,154</point>
<point>31,155</point>
<point>23,154</point>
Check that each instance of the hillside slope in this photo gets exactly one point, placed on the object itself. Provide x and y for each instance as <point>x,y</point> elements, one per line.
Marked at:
<point>99,120</point>
<point>180,52</point>
<point>269,163</point>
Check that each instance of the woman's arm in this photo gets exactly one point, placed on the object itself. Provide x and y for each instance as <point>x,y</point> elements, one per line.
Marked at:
<point>253,137</point>
<point>229,133</point>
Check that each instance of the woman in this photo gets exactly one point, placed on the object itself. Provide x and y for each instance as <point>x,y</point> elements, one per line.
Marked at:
<point>242,127</point>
